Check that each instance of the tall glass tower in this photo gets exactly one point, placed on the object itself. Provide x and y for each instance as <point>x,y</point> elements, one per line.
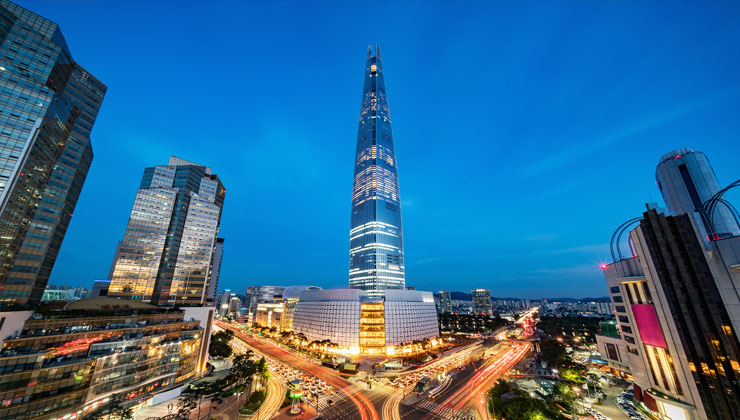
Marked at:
<point>171,240</point>
<point>376,235</point>
<point>48,106</point>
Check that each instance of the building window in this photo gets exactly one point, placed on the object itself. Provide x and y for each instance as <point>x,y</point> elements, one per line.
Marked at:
<point>618,299</point>
<point>629,339</point>
<point>621,309</point>
<point>614,289</point>
<point>623,318</point>
<point>626,329</point>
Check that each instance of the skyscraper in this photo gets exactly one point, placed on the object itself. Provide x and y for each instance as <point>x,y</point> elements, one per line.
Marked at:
<point>445,302</point>
<point>676,299</point>
<point>376,234</point>
<point>686,180</point>
<point>48,105</point>
<point>171,239</point>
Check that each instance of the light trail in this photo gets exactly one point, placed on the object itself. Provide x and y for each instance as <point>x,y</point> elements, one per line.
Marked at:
<point>391,405</point>
<point>475,388</point>
<point>364,407</point>
<point>273,401</point>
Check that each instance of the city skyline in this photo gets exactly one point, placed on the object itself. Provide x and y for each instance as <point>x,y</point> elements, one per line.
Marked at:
<point>506,225</point>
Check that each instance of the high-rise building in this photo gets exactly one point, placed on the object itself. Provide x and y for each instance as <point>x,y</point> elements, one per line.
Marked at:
<point>676,300</point>
<point>482,302</point>
<point>376,234</point>
<point>382,314</point>
<point>171,239</point>
<point>218,256</point>
<point>687,181</point>
<point>445,302</point>
<point>48,105</point>
<point>261,294</point>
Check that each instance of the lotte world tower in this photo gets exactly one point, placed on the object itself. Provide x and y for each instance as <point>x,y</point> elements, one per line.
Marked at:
<point>376,235</point>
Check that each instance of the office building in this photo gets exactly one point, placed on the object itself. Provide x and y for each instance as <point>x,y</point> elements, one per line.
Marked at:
<point>482,302</point>
<point>676,300</point>
<point>445,302</point>
<point>376,234</point>
<point>170,242</point>
<point>48,106</point>
<point>94,351</point>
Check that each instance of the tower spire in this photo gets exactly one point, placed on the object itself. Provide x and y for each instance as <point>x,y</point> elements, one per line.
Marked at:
<point>376,235</point>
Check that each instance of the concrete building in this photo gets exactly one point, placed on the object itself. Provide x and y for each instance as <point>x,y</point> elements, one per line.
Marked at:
<point>613,349</point>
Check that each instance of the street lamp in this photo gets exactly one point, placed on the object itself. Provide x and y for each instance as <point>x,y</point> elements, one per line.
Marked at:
<point>238,397</point>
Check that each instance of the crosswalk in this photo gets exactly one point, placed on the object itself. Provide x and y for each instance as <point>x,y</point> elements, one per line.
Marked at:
<point>441,411</point>
<point>335,398</point>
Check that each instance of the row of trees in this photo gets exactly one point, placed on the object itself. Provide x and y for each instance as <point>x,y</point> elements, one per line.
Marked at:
<point>244,370</point>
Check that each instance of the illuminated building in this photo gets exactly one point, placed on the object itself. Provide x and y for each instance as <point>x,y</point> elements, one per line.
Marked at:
<point>675,297</point>
<point>613,349</point>
<point>376,234</point>
<point>261,294</point>
<point>171,240</point>
<point>366,321</point>
<point>482,302</point>
<point>48,106</point>
<point>69,364</point>
<point>376,313</point>
<point>278,313</point>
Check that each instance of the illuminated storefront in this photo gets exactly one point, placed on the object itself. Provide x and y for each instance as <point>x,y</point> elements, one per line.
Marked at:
<point>69,364</point>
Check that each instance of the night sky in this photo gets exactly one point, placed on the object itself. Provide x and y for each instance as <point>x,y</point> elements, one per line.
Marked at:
<point>525,131</point>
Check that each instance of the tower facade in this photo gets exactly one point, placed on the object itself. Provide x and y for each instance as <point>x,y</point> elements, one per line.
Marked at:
<point>686,180</point>
<point>376,235</point>
<point>171,243</point>
<point>48,105</point>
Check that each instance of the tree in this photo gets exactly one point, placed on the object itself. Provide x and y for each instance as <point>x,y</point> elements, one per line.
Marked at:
<point>243,367</point>
<point>563,392</point>
<point>187,402</point>
<point>214,390</point>
<point>220,344</point>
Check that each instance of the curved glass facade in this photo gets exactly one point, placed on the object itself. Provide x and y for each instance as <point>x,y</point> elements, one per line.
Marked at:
<point>376,235</point>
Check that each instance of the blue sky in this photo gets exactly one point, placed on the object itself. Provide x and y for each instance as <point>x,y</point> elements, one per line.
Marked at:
<point>525,131</point>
